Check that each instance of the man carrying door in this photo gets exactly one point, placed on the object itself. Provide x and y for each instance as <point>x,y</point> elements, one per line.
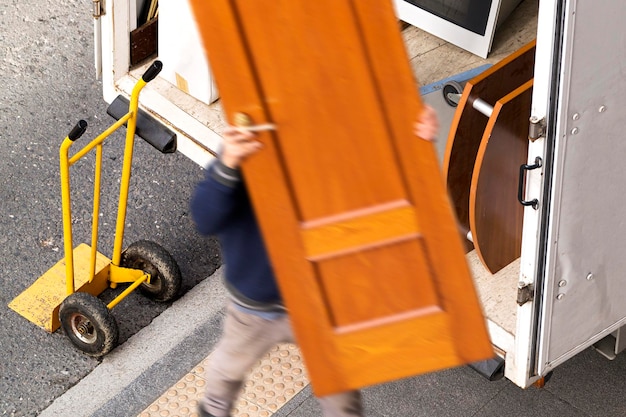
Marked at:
<point>256,319</point>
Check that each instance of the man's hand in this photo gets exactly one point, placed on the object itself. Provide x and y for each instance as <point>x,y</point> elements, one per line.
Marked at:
<point>427,125</point>
<point>238,145</point>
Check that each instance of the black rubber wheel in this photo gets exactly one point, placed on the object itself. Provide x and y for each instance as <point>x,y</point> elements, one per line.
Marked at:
<point>88,323</point>
<point>150,257</point>
<point>451,87</point>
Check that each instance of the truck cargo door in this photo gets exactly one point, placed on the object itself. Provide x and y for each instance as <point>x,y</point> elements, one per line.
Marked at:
<point>585,286</point>
<point>351,204</point>
<point>97,38</point>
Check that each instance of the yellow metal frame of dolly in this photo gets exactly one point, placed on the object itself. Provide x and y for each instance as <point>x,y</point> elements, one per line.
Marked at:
<point>41,301</point>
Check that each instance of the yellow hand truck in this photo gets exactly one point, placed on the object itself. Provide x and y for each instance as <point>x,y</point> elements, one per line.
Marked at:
<point>67,295</point>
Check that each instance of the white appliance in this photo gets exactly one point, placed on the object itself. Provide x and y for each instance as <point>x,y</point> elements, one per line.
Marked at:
<point>468,24</point>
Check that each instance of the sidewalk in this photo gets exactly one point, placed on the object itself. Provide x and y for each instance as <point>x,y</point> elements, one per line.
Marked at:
<point>159,373</point>
<point>275,380</point>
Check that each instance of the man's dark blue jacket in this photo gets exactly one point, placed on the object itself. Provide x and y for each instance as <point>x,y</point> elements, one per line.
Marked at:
<point>220,206</point>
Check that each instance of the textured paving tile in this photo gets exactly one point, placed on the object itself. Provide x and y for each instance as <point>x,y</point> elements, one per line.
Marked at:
<point>276,379</point>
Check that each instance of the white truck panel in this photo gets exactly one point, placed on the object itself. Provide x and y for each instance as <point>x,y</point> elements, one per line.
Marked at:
<point>586,240</point>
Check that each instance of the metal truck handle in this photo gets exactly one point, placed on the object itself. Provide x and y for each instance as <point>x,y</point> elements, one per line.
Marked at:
<point>520,189</point>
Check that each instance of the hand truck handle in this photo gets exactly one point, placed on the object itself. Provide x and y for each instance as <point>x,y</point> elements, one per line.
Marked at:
<point>78,130</point>
<point>153,71</point>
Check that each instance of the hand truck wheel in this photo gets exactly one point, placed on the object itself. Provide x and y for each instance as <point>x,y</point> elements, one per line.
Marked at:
<point>88,323</point>
<point>150,257</point>
<point>452,91</point>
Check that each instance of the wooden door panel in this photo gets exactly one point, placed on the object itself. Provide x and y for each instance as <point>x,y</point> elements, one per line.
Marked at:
<point>356,286</point>
<point>356,230</point>
<point>495,213</point>
<point>317,102</point>
<point>351,204</point>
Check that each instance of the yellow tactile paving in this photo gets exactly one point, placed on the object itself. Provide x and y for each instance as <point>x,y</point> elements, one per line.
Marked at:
<point>276,378</point>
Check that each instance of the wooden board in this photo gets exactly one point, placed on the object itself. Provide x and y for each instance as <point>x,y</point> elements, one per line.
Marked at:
<point>468,125</point>
<point>351,204</point>
<point>495,213</point>
<point>144,41</point>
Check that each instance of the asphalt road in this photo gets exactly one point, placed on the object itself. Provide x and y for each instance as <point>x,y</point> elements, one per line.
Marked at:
<point>47,84</point>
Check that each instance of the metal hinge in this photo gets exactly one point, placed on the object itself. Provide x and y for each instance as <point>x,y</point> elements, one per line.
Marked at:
<point>525,292</point>
<point>537,128</point>
<point>98,8</point>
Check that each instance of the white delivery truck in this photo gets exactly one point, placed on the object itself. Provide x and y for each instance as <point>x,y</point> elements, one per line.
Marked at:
<point>566,292</point>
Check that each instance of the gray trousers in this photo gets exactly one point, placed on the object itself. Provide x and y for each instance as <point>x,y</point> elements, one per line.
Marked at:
<point>245,339</point>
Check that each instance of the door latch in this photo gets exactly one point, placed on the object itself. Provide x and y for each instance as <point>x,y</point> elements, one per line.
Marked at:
<point>525,292</point>
<point>98,8</point>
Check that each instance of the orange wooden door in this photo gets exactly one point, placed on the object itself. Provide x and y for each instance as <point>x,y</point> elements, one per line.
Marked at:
<point>351,204</point>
